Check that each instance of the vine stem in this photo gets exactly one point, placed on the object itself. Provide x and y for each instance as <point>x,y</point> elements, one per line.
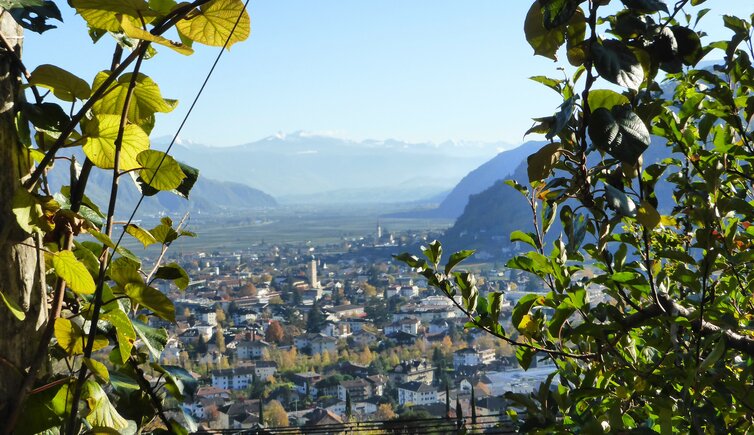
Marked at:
<point>97,304</point>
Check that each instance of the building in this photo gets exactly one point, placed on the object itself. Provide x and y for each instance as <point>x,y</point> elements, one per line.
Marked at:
<point>469,357</point>
<point>320,344</point>
<point>342,311</point>
<point>417,393</point>
<point>251,349</point>
<point>358,389</point>
<point>233,379</point>
<point>412,371</point>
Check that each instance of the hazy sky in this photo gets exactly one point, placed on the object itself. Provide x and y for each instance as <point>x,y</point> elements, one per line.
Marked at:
<point>419,70</point>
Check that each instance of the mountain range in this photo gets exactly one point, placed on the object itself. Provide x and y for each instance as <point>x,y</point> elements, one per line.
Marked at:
<point>309,168</point>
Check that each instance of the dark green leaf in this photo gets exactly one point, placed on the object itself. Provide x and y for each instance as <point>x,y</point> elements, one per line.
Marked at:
<point>620,133</point>
<point>540,164</point>
<point>457,258</point>
<point>646,6</point>
<point>557,12</point>
<point>544,42</point>
<point>617,64</point>
<point>175,273</point>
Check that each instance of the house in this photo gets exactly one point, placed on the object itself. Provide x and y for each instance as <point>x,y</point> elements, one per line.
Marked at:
<point>254,349</point>
<point>379,382</point>
<point>265,369</point>
<point>233,379</point>
<point>306,381</point>
<point>342,311</point>
<point>438,327</point>
<point>322,344</point>
<point>409,325</point>
<point>322,417</point>
<point>363,338</point>
<point>358,389</point>
<point>336,329</point>
<point>417,393</point>
<point>469,357</point>
<point>208,316</point>
<point>414,370</point>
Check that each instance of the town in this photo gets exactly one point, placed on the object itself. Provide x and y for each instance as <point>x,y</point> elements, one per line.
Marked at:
<point>302,335</point>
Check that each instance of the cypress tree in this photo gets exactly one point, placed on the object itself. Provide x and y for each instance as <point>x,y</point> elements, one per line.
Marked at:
<point>261,413</point>
<point>348,405</point>
<point>447,401</point>
<point>459,411</point>
<point>473,407</point>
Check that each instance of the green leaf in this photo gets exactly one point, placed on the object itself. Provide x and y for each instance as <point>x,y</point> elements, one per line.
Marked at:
<point>99,369</point>
<point>48,118</point>
<point>124,271</point>
<point>145,237</point>
<point>606,98</point>
<point>575,34</point>
<point>520,236</point>
<point>717,352</point>
<point>524,355</point>
<point>153,299</point>
<point>557,12</point>
<point>456,258</point>
<point>100,142</point>
<point>212,23</point>
<point>17,312</point>
<point>646,6</point>
<point>160,171</point>
<point>164,234</point>
<point>145,102</point>
<point>175,273</point>
<point>541,163</point>
<point>64,85</point>
<point>620,133</point>
<point>153,338</point>
<point>617,64</point>
<point>433,252</point>
<point>33,14</point>
<point>562,118</point>
<point>73,271</point>
<point>689,45</point>
<point>102,413</point>
<point>544,42</point>
<point>124,331</point>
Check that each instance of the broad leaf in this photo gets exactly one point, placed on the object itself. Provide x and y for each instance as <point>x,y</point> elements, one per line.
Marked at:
<point>557,12</point>
<point>124,331</point>
<point>606,99</point>
<point>102,14</point>
<point>540,164</point>
<point>99,369</point>
<point>100,143</point>
<point>646,6</point>
<point>102,413</point>
<point>72,339</point>
<point>73,271</point>
<point>145,102</point>
<point>153,338</point>
<point>138,33</point>
<point>175,273</point>
<point>145,237</point>
<point>619,132</point>
<point>544,42</point>
<point>160,171</point>
<point>617,64</point>
<point>153,299</point>
<point>64,85</point>
<point>213,22</point>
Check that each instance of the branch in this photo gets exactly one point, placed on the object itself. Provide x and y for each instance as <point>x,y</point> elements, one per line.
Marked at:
<point>147,388</point>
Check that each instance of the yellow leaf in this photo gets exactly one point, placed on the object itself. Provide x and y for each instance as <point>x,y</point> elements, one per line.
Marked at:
<point>160,171</point>
<point>101,14</point>
<point>100,142</point>
<point>64,85</point>
<point>145,101</point>
<point>73,271</point>
<point>648,216</point>
<point>528,326</point>
<point>71,337</point>
<point>138,33</point>
<point>213,22</point>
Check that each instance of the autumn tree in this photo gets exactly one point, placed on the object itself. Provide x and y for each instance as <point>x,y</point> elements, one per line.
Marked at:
<point>385,412</point>
<point>275,415</point>
<point>274,333</point>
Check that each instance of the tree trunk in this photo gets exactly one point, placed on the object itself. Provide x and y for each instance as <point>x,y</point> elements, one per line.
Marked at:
<point>21,264</point>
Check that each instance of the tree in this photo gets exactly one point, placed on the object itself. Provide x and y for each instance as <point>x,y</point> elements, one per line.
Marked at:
<point>248,289</point>
<point>315,320</point>
<point>274,333</point>
<point>102,283</point>
<point>473,407</point>
<point>659,224</point>
<point>385,412</point>
<point>276,415</point>
<point>349,409</point>
<point>220,316</point>
<point>220,339</point>
<point>447,400</point>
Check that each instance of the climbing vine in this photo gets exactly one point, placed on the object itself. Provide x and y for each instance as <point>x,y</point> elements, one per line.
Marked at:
<point>96,367</point>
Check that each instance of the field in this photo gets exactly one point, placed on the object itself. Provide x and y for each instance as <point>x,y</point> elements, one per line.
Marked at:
<point>295,225</point>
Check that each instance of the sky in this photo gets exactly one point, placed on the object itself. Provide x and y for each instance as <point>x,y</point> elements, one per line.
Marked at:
<point>419,70</point>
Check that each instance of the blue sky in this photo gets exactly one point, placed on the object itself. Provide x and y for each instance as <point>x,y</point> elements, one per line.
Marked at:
<point>419,70</point>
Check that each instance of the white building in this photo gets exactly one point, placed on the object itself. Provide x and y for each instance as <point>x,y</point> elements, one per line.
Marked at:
<point>472,357</point>
<point>233,379</point>
<point>417,393</point>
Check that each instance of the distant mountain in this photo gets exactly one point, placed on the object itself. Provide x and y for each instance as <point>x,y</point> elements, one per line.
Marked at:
<point>478,180</point>
<point>305,167</point>
<point>207,195</point>
<point>491,215</point>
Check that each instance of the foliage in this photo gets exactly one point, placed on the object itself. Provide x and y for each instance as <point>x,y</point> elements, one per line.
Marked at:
<point>647,304</point>
<point>275,415</point>
<point>274,333</point>
<point>104,299</point>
